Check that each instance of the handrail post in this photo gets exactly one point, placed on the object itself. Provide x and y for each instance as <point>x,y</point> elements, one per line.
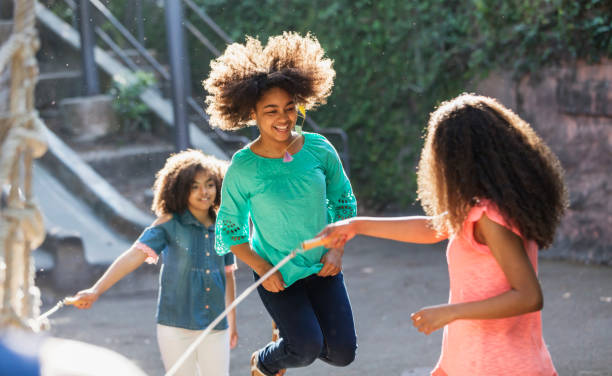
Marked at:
<point>90,71</point>
<point>179,81</point>
<point>139,22</point>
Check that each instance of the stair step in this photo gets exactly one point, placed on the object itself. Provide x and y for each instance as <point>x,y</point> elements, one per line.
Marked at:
<point>133,151</point>
<point>59,75</point>
<point>55,86</point>
<point>133,162</point>
<point>130,169</point>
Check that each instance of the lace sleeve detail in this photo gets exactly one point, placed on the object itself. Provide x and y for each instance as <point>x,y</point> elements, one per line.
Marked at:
<point>229,233</point>
<point>152,256</point>
<point>342,207</point>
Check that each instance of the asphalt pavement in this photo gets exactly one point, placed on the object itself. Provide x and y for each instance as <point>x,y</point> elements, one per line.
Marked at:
<point>386,282</point>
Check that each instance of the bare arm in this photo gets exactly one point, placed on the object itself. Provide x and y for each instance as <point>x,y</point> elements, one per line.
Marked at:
<point>230,295</point>
<point>275,282</point>
<point>123,265</point>
<point>524,296</point>
<point>415,229</point>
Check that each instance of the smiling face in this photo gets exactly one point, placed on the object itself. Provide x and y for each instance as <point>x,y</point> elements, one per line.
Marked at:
<point>275,114</point>
<point>202,194</point>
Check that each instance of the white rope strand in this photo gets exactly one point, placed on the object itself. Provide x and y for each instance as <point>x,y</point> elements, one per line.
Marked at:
<point>45,315</point>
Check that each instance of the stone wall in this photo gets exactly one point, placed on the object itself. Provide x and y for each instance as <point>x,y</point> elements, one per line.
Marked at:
<point>571,108</point>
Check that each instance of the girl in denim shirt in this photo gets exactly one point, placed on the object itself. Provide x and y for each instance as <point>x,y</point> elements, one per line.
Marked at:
<point>195,283</point>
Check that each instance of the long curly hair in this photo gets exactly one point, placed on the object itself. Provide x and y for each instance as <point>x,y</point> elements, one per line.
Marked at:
<point>173,182</point>
<point>240,76</point>
<point>476,148</point>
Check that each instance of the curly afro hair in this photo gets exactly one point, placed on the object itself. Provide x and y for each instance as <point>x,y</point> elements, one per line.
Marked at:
<point>173,182</point>
<point>475,148</point>
<point>240,76</point>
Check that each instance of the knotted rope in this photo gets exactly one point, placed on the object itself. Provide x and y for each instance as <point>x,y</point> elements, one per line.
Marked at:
<point>21,139</point>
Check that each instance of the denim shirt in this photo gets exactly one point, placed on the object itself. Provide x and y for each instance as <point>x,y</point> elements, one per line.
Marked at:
<point>192,276</point>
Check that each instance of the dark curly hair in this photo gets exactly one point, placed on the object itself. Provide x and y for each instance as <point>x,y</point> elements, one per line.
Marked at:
<point>173,182</point>
<point>475,148</point>
<point>240,76</point>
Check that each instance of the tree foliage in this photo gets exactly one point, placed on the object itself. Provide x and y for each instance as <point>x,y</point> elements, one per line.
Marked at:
<point>396,59</point>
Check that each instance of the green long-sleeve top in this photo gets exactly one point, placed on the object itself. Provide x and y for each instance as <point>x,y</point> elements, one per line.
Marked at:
<point>288,202</point>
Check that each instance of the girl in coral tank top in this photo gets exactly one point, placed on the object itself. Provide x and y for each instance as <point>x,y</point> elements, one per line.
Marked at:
<point>493,188</point>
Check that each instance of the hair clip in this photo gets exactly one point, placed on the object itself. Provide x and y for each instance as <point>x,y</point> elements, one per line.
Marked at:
<point>301,111</point>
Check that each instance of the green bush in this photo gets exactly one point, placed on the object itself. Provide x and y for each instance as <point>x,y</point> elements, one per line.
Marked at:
<point>134,115</point>
<point>397,59</point>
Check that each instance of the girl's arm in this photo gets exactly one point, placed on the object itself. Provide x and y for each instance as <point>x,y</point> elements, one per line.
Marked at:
<point>415,229</point>
<point>230,295</point>
<point>126,263</point>
<point>275,282</point>
<point>123,265</point>
<point>524,296</point>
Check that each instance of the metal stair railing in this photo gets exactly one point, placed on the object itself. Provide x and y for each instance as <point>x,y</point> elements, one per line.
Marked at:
<point>160,69</point>
<point>156,65</point>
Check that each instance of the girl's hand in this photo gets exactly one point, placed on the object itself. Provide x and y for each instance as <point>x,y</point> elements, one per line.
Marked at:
<point>84,298</point>
<point>233,337</point>
<point>332,263</point>
<point>429,319</point>
<point>274,283</point>
<point>338,233</point>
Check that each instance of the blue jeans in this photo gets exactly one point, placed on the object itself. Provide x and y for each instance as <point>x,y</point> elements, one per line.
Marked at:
<point>315,320</point>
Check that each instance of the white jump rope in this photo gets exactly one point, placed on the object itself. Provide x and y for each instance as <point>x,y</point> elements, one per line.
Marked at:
<point>305,246</point>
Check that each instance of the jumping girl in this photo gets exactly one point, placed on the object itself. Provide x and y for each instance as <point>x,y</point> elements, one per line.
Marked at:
<point>195,283</point>
<point>290,184</point>
<point>490,185</point>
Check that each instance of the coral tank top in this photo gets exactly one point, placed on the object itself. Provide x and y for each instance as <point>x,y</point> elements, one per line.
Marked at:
<point>509,346</point>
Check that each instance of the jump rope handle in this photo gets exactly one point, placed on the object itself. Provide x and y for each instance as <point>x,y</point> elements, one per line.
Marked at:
<point>69,300</point>
<point>312,243</point>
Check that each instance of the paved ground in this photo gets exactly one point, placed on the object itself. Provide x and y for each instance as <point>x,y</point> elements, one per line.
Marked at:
<point>386,282</point>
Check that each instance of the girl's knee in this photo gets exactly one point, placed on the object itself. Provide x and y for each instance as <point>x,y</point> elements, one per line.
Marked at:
<point>342,355</point>
<point>305,351</point>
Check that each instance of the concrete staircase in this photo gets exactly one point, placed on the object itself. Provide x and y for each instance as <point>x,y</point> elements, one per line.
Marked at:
<point>94,195</point>
<point>88,222</point>
<point>59,63</point>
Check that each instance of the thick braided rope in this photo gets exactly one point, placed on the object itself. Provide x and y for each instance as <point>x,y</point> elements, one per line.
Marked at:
<point>21,225</point>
